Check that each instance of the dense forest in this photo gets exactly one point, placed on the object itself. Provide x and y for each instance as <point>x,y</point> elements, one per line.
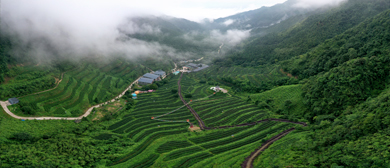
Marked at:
<point>4,57</point>
<point>341,58</point>
<point>305,35</point>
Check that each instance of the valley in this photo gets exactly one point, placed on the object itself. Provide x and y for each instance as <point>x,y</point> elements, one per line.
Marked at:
<point>295,84</point>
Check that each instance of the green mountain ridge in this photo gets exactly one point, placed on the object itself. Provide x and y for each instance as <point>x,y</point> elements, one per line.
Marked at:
<point>328,68</point>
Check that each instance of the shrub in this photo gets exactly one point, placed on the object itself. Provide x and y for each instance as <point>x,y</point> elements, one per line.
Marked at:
<point>174,91</point>
<point>27,110</point>
<point>263,105</point>
<point>153,86</point>
<point>188,96</point>
<point>23,136</point>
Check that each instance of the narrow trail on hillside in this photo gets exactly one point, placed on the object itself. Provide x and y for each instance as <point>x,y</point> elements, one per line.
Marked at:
<point>220,48</point>
<point>200,122</point>
<point>248,163</point>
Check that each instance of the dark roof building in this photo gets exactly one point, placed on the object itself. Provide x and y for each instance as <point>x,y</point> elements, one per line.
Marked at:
<point>192,65</point>
<point>159,73</point>
<point>151,76</point>
<point>204,66</point>
<point>145,81</point>
<point>13,100</point>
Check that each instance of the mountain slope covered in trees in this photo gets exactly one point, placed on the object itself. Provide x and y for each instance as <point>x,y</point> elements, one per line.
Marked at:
<point>345,88</point>
<point>306,35</point>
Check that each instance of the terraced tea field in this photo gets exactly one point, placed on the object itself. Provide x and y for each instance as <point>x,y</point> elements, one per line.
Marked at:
<point>256,76</point>
<point>233,128</point>
<point>83,87</point>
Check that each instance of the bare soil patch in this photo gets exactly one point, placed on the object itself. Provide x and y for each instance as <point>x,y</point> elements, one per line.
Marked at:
<point>288,74</point>
<point>195,128</point>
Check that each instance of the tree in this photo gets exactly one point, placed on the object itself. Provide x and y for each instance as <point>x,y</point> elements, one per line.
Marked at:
<point>28,110</point>
<point>22,136</point>
<point>188,95</point>
<point>153,86</point>
<point>287,104</point>
<point>263,105</point>
<point>96,100</point>
<point>174,91</point>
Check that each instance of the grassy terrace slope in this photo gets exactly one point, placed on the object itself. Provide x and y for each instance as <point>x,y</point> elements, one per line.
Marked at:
<point>82,87</point>
<point>171,144</point>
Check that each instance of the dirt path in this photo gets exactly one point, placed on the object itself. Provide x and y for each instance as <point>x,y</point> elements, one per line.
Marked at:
<point>6,103</point>
<point>248,163</point>
<point>288,74</point>
<point>200,122</point>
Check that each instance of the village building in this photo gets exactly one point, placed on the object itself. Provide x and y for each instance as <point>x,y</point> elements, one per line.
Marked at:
<point>13,100</point>
<point>191,67</point>
<point>160,73</point>
<point>145,81</point>
<point>185,68</point>
<point>204,66</point>
<point>152,76</point>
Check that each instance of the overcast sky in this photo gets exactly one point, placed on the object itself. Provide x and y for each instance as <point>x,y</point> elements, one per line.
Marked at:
<point>194,10</point>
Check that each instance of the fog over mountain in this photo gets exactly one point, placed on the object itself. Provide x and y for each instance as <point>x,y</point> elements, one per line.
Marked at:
<point>78,28</point>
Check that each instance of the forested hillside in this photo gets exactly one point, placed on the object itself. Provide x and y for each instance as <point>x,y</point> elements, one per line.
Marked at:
<point>4,57</point>
<point>344,91</point>
<point>306,35</point>
<point>370,38</point>
<point>180,34</point>
<point>269,16</point>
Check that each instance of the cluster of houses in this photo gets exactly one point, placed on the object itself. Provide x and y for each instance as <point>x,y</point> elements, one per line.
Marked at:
<point>191,67</point>
<point>149,78</point>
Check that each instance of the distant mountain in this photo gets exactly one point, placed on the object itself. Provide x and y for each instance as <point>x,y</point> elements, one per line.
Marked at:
<point>263,17</point>
<point>168,31</point>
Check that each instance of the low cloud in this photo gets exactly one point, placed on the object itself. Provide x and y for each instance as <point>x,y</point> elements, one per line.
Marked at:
<point>133,28</point>
<point>216,37</point>
<point>73,29</point>
<point>228,22</point>
<point>231,37</point>
<point>54,29</point>
<point>317,3</point>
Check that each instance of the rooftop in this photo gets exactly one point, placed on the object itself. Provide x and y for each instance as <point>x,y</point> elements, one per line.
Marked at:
<point>159,73</point>
<point>204,66</point>
<point>145,80</point>
<point>13,100</point>
<point>192,65</point>
<point>151,76</point>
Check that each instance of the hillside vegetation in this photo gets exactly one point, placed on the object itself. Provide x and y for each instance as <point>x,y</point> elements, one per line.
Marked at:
<point>327,69</point>
<point>306,35</point>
